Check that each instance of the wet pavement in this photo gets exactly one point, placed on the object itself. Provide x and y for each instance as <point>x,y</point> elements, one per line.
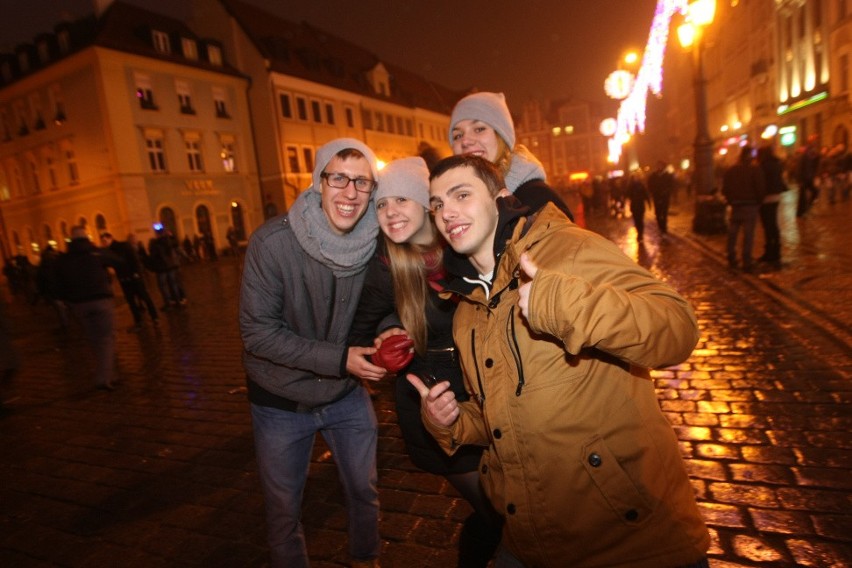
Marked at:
<point>161,472</point>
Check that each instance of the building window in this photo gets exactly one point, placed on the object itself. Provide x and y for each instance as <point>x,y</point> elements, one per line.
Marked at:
<point>156,154</point>
<point>284,100</point>
<point>214,54</point>
<point>316,111</point>
<point>380,122</point>
<point>350,117</point>
<point>308,155</point>
<point>161,41</point>
<point>409,127</point>
<point>51,172</point>
<point>391,127</point>
<point>43,52</point>
<point>36,112</point>
<point>228,155</point>
<point>193,153</point>
<point>57,104</point>
<point>367,118</point>
<point>293,160</point>
<point>63,38</point>
<point>220,100</point>
<point>184,97</point>
<point>302,108</point>
<point>71,164</point>
<point>329,113</point>
<point>34,175</point>
<point>190,48</point>
<point>145,93</point>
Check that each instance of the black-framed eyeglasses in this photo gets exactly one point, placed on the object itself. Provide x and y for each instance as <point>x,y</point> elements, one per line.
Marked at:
<point>340,181</point>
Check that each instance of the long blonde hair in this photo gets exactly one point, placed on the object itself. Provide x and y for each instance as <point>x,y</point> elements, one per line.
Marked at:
<point>409,270</point>
<point>503,161</point>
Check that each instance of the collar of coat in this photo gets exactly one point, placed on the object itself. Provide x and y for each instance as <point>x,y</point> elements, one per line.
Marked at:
<point>515,227</point>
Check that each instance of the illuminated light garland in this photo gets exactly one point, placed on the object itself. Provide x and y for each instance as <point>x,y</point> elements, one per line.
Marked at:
<point>631,111</point>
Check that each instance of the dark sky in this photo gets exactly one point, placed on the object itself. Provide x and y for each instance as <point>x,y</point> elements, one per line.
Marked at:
<point>535,48</point>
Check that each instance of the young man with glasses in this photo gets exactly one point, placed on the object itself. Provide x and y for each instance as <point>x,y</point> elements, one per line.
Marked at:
<point>302,278</point>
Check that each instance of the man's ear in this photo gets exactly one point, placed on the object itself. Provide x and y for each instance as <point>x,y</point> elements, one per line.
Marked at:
<point>504,193</point>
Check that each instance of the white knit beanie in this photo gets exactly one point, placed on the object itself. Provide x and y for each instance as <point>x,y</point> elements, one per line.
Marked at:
<point>406,177</point>
<point>330,149</point>
<point>491,109</point>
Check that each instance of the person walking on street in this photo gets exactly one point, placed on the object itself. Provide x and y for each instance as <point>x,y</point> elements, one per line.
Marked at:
<point>48,287</point>
<point>773,178</point>
<point>302,277</point>
<point>407,278</point>
<point>639,197</point>
<point>661,184</point>
<point>165,261</point>
<point>131,281</point>
<point>556,331</point>
<point>744,188</point>
<point>807,171</point>
<point>84,284</point>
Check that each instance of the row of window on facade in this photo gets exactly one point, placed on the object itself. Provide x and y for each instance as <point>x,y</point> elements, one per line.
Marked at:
<point>53,166</point>
<point>183,90</point>
<point>158,161</point>
<point>188,47</point>
<point>307,109</point>
<point>29,113</point>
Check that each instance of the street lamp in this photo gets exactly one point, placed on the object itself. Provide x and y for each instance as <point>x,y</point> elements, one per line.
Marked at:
<point>709,211</point>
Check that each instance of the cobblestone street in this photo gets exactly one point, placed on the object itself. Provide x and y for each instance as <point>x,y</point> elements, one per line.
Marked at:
<point>161,472</point>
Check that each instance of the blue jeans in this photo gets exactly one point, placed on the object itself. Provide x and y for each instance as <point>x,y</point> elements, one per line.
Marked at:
<point>742,217</point>
<point>284,442</point>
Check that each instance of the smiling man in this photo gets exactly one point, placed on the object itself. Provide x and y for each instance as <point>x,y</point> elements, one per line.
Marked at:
<point>556,330</point>
<point>302,278</point>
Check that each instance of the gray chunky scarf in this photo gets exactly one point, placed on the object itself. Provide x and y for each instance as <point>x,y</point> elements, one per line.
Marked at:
<point>524,167</point>
<point>345,255</point>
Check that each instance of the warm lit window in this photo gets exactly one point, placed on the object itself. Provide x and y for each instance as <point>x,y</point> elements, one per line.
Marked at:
<point>293,160</point>
<point>193,153</point>
<point>308,156</point>
<point>190,48</point>
<point>220,101</point>
<point>228,155</point>
<point>316,111</point>
<point>155,151</point>
<point>302,108</point>
<point>161,41</point>
<point>329,113</point>
<point>144,92</point>
<point>350,117</point>
<point>184,97</point>
<point>214,54</point>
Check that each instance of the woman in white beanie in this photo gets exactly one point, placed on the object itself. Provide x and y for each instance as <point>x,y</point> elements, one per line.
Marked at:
<point>481,124</point>
<point>402,288</point>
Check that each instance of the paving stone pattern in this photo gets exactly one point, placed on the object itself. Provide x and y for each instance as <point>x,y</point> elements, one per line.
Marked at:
<point>161,472</point>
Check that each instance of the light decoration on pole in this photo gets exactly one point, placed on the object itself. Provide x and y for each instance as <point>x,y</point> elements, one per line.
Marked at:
<point>631,111</point>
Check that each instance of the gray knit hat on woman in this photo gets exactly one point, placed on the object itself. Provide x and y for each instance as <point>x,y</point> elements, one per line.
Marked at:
<point>491,109</point>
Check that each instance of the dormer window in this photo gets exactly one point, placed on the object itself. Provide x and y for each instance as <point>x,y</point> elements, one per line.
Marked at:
<point>23,62</point>
<point>214,55</point>
<point>161,41</point>
<point>63,38</point>
<point>220,101</point>
<point>380,80</point>
<point>190,48</point>
<point>43,52</point>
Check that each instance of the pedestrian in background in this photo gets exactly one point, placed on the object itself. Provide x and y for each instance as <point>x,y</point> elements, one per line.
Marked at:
<point>639,197</point>
<point>773,177</point>
<point>84,284</point>
<point>481,124</point>
<point>129,276</point>
<point>302,276</point>
<point>661,184</point>
<point>744,188</point>
<point>807,169</point>
<point>556,331</point>
<point>407,278</point>
<point>48,288</point>
<point>164,259</point>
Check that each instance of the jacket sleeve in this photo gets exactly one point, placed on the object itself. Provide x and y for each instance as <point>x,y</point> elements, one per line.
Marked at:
<point>599,298</point>
<point>468,429</point>
<point>375,306</point>
<point>266,332</point>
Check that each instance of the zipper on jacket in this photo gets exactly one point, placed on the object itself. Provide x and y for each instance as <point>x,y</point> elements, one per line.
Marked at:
<point>516,351</point>
<point>481,396</point>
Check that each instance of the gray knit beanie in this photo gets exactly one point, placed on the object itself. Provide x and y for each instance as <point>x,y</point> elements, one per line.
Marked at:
<point>491,109</point>
<point>406,177</point>
<point>330,149</point>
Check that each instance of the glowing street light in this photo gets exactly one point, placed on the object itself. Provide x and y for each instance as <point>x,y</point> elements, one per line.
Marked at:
<point>709,212</point>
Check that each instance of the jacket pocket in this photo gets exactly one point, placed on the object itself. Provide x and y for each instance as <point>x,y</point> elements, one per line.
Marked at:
<point>614,484</point>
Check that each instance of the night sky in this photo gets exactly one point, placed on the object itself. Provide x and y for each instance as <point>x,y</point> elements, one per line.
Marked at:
<point>536,48</point>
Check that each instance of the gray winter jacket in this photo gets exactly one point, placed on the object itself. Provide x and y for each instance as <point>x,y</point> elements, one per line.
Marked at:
<point>295,316</point>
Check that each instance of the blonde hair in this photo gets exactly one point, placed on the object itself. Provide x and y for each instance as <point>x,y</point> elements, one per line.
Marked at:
<point>409,272</point>
<point>503,161</point>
